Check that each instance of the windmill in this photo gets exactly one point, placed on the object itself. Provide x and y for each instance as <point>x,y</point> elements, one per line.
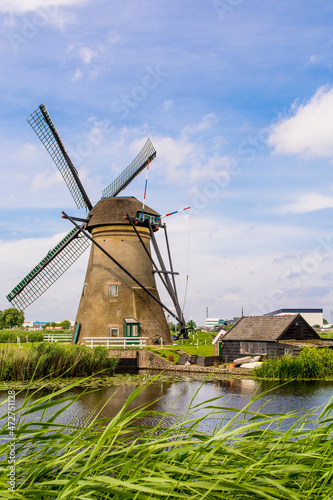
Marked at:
<point>119,296</point>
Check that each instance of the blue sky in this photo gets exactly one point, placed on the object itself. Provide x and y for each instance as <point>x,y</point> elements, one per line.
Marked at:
<point>237,98</point>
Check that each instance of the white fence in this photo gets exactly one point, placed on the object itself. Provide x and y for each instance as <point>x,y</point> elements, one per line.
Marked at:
<point>111,342</point>
<point>50,337</point>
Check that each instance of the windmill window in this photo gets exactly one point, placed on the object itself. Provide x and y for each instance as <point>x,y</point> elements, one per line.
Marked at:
<point>114,331</point>
<point>113,290</point>
<point>152,219</point>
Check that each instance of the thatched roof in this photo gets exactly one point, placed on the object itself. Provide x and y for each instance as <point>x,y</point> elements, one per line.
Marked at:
<point>113,210</point>
<point>261,328</point>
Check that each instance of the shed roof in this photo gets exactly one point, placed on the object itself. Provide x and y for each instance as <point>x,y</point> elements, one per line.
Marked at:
<point>130,321</point>
<point>261,328</point>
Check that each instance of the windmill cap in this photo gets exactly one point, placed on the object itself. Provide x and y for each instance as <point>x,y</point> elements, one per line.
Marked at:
<point>112,211</point>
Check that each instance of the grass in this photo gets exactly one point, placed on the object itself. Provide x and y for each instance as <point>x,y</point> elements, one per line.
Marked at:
<point>326,335</point>
<point>10,335</point>
<point>53,360</point>
<point>165,353</point>
<point>252,456</point>
<point>204,340</point>
<point>189,349</point>
<point>312,363</point>
<point>203,350</point>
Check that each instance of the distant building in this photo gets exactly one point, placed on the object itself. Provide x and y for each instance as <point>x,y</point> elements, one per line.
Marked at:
<point>311,316</point>
<point>38,325</point>
<point>211,322</point>
<point>34,325</point>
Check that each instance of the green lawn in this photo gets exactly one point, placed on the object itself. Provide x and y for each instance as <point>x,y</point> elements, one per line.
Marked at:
<point>202,350</point>
<point>189,345</point>
<point>326,336</point>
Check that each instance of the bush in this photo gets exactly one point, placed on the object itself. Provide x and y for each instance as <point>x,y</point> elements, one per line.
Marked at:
<point>312,363</point>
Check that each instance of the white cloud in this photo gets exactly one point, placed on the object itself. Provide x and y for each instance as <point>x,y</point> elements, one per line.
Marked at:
<point>309,131</point>
<point>207,122</point>
<point>45,180</point>
<point>77,75</point>
<point>308,203</point>
<point>232,275</point>
<point>168,105</point>
<point>49,6</point>
<point>86,54</point>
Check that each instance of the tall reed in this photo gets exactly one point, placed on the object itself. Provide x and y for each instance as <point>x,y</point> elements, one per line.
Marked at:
<point>7,336</point>
<point>251,456</point>
<point>53,360</point>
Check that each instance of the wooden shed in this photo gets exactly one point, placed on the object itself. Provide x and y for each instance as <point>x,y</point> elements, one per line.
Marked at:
<point>266,336</point>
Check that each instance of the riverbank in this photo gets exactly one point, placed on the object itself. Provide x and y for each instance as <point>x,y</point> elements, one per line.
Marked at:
<point>125,379</point>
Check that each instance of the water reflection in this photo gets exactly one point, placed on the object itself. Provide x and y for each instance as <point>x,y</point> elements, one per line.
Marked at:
<point>177,394</point>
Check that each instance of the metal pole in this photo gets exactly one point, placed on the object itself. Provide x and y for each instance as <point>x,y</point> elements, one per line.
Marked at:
<point>170,288</point>
<point>170,261</point>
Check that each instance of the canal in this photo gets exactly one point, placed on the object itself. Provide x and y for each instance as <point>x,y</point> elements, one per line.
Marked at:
<point>175,394</point>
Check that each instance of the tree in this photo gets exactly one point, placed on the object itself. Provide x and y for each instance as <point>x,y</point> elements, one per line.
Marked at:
<point>1,314</point>
<point>65,324</point>
<point>12,317</point>
<point>191,325</point>
<point>171,326</point>
<point>325,321</point>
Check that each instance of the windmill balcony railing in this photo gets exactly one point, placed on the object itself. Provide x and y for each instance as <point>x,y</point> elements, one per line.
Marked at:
<point>111,342</point>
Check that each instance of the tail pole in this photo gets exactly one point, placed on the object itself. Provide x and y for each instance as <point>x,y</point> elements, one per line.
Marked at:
<point>171,213</point>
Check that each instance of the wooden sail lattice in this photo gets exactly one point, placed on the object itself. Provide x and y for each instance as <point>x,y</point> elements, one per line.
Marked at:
<point>44,127</point>
<point>49,269</point>
<point>147,154</point>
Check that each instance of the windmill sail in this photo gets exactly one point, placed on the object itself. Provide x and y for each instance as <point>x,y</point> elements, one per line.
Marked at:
<point>49,269</point>
<point>147,154</point>
<point>43,125</point>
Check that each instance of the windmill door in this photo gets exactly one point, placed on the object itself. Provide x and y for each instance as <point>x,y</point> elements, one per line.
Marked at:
<point>131,328</point>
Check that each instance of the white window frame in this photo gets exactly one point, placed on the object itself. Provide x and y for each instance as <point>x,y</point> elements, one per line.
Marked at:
<point>115,288</point>
<point>116,328</point>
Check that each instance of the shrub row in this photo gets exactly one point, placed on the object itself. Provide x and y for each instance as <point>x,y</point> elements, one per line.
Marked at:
<point>312,363</point>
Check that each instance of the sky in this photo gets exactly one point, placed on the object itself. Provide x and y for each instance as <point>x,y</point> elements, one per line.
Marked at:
<point>237,98</point>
